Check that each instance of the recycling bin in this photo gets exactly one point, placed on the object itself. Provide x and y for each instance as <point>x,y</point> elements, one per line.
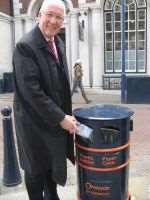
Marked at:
<point>103,161</point>
<point>1,86</point>
<point>8,82</point>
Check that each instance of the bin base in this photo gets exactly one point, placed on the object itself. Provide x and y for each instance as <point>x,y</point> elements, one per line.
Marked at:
<point>78,197</point>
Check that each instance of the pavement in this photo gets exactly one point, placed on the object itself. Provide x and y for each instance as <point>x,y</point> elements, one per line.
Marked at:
<point>139,176</point>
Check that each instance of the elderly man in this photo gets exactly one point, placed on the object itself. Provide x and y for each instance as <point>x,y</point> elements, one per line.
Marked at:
<point>42,104</point>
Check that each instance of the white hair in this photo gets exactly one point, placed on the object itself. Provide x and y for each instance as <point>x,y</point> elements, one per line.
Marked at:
<point>47,3</point>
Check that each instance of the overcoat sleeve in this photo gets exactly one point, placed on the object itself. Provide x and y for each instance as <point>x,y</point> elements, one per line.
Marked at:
<point>27,77</point>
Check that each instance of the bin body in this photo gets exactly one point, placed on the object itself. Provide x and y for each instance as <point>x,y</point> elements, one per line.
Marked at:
<point>8,82</point>
<point>1,86</point>
<point>103,163</point>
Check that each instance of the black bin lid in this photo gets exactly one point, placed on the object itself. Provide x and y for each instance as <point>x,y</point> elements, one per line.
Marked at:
<point>103,112</point>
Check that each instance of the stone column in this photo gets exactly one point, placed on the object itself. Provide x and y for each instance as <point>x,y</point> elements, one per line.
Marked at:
<point>16,6</point>
<point>6,44</point>
<point>29,23</point>
<point>68,43</point>
<point>98,47</point>
<point>74,33</point>
<point>148,38</point>
<point>85,47</point>
<point>19,28</point>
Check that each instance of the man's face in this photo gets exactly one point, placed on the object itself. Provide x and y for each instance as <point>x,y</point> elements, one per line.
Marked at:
<point>51,20</point>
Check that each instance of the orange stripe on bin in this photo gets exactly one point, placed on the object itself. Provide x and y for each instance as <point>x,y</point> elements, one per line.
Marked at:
<point>105,169</point>
<point>103,150</point>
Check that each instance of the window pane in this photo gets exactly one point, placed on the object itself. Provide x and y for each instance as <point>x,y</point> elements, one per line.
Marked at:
<point>126,36</point>
<point>132,25</point>
<point>108,55</point>
<point>108,46</point>
<point>108,26</point>
<point>109,65</point>
<point>117,16</point>
<point>132,45</point>
<point>141,25</point>
<point>129,2</point>
<point>126,26</point>
<point>132,36</point>
<point>117,55</point>
<point>132,7</point>
<point>126,16</point>
<point>141,14</point>
<point>141,35</point>
<point>141,66</point>
<point>89,1</point>
<point>117,45</point>
<point>127,65</point>
<point>117,65</point>
<point>126,54</point>
<point>117,36</point>
<point>117,26</point>
<point>132,65</point>
<point>126,45</point>
<point>117,5</point>
<point>140,54</point>
<point>132,15</point>
<point>141,45</point>
<point>108,37</point>
<point>108,4</point>
<point>108,17</point>
<point>132,55</point>
<point>141,3</point>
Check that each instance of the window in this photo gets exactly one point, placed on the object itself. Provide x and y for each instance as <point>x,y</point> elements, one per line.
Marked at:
<point>135,36</point>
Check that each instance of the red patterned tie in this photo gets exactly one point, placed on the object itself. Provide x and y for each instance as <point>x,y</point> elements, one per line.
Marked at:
<point>53,49</point>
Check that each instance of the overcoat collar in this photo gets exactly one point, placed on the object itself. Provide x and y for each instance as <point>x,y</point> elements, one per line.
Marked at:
<point>41,41</point>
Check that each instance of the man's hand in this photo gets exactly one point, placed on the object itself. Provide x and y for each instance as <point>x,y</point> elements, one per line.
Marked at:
<point>70,124</point>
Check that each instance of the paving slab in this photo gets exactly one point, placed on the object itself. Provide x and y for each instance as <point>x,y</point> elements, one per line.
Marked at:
<point>139,177</point>
<point>65,193</point>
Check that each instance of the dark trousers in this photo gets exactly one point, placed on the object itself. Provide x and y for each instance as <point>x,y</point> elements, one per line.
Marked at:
<point>41,187</point>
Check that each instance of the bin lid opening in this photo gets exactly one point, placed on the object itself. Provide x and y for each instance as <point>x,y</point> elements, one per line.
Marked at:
<point>103,112</point>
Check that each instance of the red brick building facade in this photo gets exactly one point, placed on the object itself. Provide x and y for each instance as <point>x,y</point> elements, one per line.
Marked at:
<point>6,6</point>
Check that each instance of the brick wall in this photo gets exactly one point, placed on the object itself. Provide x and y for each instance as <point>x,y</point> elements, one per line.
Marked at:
<point>75,3</point>
<point>25,5</point>
<point>5,7</point>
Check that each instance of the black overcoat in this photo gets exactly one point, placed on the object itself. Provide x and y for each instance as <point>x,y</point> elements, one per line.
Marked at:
<point>42,97</point>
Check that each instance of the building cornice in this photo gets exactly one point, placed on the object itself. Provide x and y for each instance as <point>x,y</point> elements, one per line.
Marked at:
<point>75,11</point>
<point>24,17</point>
<point>5,17</point>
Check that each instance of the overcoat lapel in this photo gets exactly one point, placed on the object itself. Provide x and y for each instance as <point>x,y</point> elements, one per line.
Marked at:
<point>63,60</point>
<point>42,43</point>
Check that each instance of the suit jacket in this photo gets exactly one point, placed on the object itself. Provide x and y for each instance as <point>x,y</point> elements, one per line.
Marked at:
<point>42,98</point>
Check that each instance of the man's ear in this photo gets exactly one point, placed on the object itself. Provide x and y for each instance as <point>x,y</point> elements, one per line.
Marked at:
<point>39,16</point>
